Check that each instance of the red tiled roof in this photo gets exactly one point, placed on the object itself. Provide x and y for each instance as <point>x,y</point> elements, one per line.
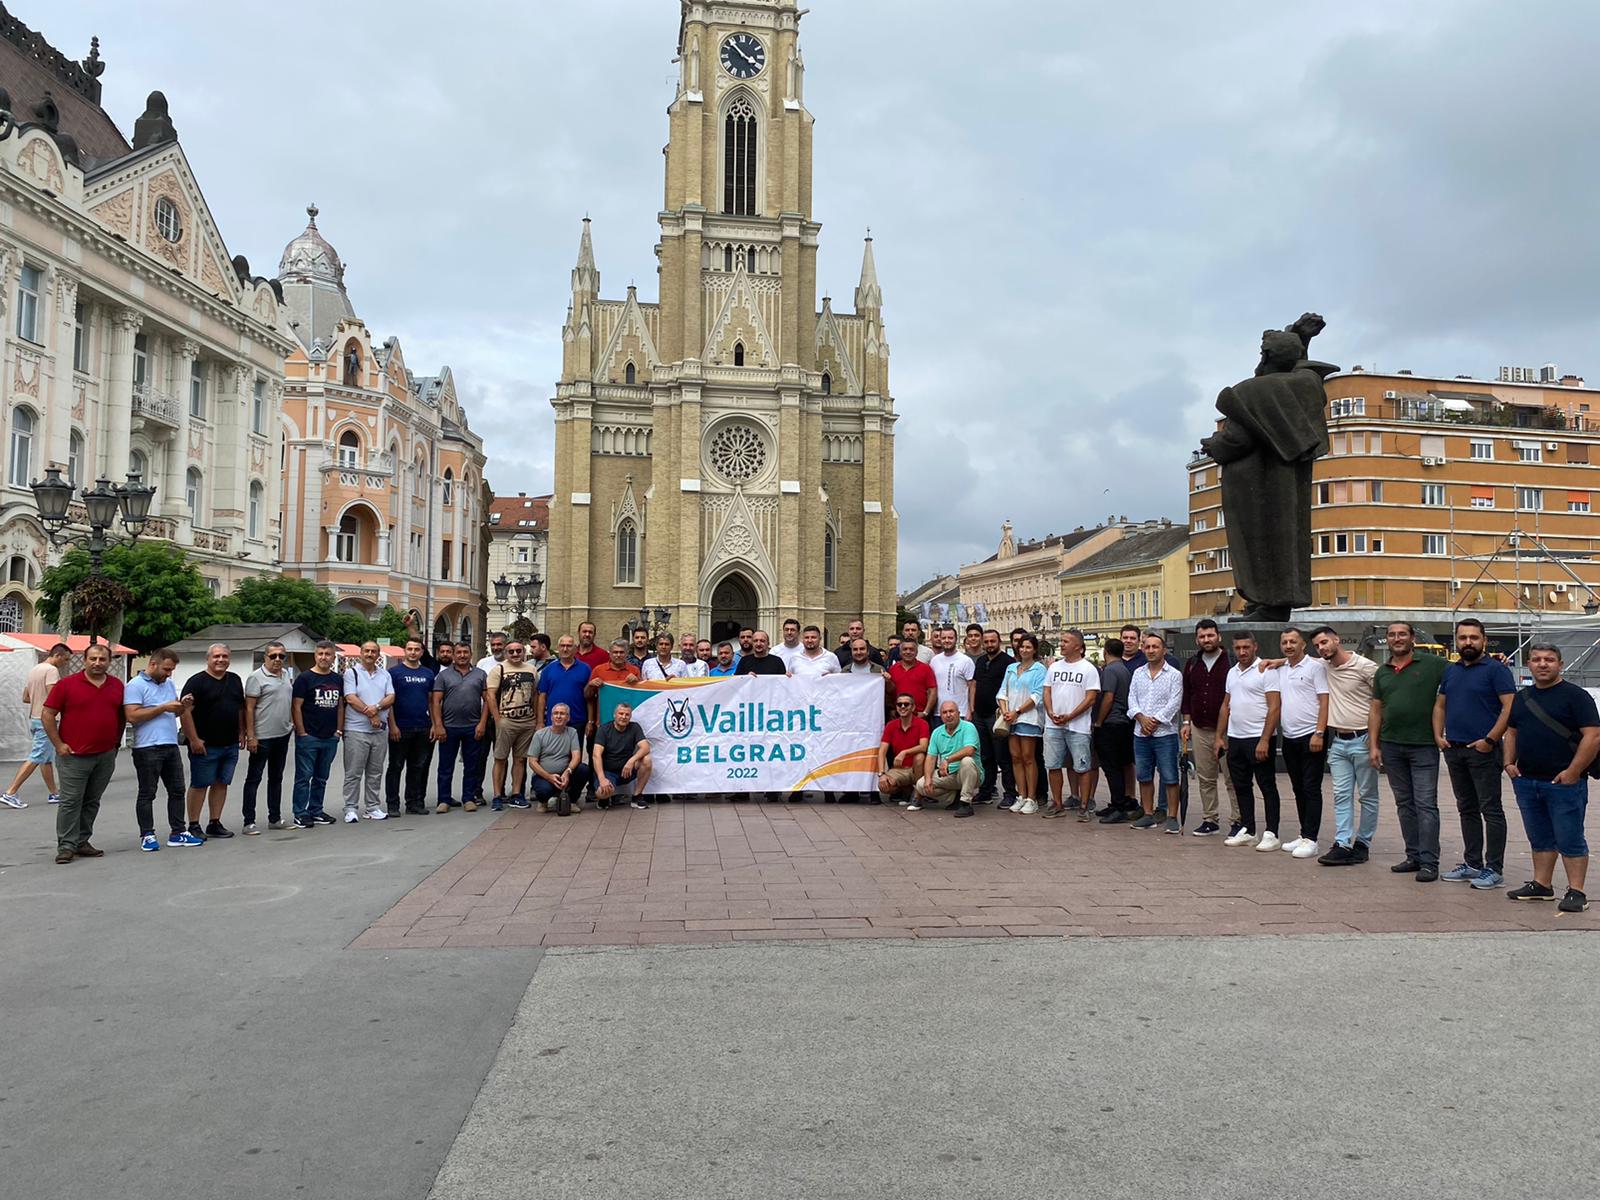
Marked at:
<point>509,512</point>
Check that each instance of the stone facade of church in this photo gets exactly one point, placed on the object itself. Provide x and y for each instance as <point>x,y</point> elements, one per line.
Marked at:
<point>726,453</point>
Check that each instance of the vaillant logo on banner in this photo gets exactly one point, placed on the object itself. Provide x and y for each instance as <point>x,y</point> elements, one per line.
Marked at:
<point>678,720</point>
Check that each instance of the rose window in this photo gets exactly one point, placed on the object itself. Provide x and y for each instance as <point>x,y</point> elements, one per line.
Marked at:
<point>738,452</point>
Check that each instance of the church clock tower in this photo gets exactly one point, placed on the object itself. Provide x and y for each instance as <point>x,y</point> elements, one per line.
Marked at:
<point>726,453</point>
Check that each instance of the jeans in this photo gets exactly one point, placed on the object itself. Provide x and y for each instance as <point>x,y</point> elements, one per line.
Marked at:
<point>1552,814</point>
<point>1413,773</point>
<point>1350,764</point>
<point>411,754</point>
<point>1475,779</point>
<point>267,760</point>
<point>1248,774</point>
<point>1305,768</point>
<point>159,766</point>
<point>83,781</point>
<point>363,770</point>
<point>1153,754</point>
<point>313,759</point>
<point>462,740</point>
<point>995,751</point>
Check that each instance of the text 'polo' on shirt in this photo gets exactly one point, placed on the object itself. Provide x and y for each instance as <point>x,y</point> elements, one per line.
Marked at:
<point>953,672</point>
<point>1300,685</point>
<point>1472,698</point>
<point>1247,699</point>
<point>1067,685</point>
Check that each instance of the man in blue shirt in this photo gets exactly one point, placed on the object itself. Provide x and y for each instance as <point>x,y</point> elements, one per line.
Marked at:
<point>726,663</point>
<point>317,709</point>
<point>565,682</point>
<point>1469,720</point>
<point>151,704</point>
<point>410,731</point>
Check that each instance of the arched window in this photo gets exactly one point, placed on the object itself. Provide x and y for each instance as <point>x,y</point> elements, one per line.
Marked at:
<point>448,490</point>
<point>191,494</point>
<point>627,553</point>
<point>349,449</point>
<point>347,539</point>
<point>739,159</point>
<point>23,426</point>
<point>827,384</point>
<point>253,518</point>
<point>138,465</point>
<point>738,354</point>
<point>830,560</point>
<point>630,374</point>
<point>75,458</point>
<point>727,258</point>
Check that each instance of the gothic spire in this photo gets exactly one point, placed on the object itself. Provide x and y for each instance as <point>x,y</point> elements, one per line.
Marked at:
<point>868,293</point>
<point>585,276</point>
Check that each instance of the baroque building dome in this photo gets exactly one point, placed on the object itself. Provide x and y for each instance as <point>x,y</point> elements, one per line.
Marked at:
<point>310,258</point>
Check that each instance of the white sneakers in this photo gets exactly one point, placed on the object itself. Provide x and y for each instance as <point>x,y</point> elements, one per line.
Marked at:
<point>1306,849</point>
<point>915,805</point>
<point>1269,841</point>
<point>11,801</point>
<point>1291,847</point>
<point>350,817</point>
<point>1027,808</point>
<point>1242,838</point>
<point>377,814</point>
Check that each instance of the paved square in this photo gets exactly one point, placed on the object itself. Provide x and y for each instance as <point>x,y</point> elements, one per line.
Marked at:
<point>751,871</point>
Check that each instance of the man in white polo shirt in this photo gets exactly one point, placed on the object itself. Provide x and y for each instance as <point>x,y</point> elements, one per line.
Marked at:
<point>1246,735</point>
<point>1071,687</point>
<point>955,672</point>
<point>788,649</point>
<point>1303,688</point>
<point>812,660</point>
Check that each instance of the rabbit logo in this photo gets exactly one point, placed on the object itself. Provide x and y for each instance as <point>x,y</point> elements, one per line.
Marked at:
<point>679,720</point>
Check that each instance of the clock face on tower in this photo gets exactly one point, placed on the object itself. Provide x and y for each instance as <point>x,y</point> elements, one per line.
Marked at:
<point>743,55</point>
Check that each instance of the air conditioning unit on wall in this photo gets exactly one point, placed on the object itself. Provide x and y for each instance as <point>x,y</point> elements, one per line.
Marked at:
<point>1432,461</point>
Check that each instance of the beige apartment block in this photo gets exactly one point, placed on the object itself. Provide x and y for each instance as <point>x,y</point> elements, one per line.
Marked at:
<point>1439,495</point>
<point>131,341</point>
<point>726,452</point>
<point>1140,579</point>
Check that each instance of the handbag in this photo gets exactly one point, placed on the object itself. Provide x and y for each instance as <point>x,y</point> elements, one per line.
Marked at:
<point>1002,727</point>
<point>1556,727</point>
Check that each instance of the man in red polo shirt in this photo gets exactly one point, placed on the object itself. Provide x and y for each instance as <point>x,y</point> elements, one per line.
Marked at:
<point>905,742</point>
<point>83,718</point>
<point>914,678</point>
<point>588,652</point>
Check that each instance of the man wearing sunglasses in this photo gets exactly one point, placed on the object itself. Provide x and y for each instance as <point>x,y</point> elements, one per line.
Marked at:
<point>268,722</point>
<point>900,753</point>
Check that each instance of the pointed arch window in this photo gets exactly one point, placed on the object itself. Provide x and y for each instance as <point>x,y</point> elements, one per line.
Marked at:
<point>830,559</point>
<point>739,159</point>
<point>738,354</point>
<point>627,553</point>
<point>827,384</point>
<point>727,258</point>
<point>630,374</point>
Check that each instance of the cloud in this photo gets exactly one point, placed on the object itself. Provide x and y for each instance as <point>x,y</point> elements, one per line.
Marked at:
<point>1083,217</point>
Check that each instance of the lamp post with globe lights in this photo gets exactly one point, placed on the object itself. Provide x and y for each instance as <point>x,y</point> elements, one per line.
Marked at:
<point>103,506</point>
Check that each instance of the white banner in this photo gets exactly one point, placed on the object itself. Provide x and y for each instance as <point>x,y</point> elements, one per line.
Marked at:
<point>758,733</point>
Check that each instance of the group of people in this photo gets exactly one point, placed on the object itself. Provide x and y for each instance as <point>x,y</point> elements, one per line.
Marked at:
<point>964,724</point>
<point>1141,719</point>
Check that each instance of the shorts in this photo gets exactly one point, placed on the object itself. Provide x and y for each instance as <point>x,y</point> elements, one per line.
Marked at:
<point>624,786</point>
<point>1156,753</point>
<point>901,779</point>
<point>511,740</point>
<point>43,751</point>
<point>214,766</point>
<point>1027,731</point>
<point>1065,747</point>
<point>1552,814</point>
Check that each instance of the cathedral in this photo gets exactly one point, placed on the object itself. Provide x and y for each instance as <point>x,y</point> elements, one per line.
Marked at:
<point>725,455</point>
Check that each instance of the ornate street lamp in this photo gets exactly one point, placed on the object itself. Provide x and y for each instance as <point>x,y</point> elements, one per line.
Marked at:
<point>518,596</point>
<point>103,504</point>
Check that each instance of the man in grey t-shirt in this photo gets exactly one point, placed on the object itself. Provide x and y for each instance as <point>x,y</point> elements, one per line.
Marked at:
<point>460,719</point>
<point>268,695</point>
<point>555,757</point>
<point>1113,732</point>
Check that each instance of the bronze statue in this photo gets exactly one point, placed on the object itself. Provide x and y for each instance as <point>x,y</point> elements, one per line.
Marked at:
<point>1274,427</point>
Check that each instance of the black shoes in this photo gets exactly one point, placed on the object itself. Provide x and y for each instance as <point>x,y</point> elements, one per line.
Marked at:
<point>1428,875</point>
<point>1115,817</point>
<point>216,830</point>
<point>955,804</point>
<point>963,810</point>
<point>1339,856</point>
<point>323,818</point>
<point>1532,891</point>
<point>1409,867</point>
<point>1574,901</point>
<point>1361,851</point>
<point>304,823</point>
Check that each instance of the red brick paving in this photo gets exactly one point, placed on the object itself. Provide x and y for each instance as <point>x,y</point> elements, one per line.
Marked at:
<point>720,872</point>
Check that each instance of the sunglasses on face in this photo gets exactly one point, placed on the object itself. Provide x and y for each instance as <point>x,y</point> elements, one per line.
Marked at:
<point>904,704</point>
<point>270,657</point>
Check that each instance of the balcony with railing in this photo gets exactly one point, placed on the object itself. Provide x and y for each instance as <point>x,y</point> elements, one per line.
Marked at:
<point>155,405</point>
<point>1451,410</point>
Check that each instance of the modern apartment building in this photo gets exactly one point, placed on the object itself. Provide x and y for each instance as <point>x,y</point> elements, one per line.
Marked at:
<point>1438,496</point>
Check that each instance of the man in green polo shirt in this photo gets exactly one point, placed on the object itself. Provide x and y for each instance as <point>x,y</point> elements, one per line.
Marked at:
<point>1406,688</point>
<point>952,766</point>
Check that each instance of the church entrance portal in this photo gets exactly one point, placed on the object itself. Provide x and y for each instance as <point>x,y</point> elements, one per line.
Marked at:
<point>733,607</point>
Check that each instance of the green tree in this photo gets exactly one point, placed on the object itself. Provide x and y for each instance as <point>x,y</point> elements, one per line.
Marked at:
<point>281,600</point>
<point>170,599</point>
<point>351,628</point>
<point>389,624</point>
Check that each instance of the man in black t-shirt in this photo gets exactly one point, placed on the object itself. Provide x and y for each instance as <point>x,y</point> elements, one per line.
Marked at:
<point>988,673</point>
<point>621,759</point>
<point>759,661</point>
<point>215,729</point>
<point>1547,756</point>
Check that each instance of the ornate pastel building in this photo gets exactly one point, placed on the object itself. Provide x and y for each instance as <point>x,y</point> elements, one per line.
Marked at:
<point>130,340</point>
<point>519,539</point>
<point>382,501</point>
<point>726,452</point>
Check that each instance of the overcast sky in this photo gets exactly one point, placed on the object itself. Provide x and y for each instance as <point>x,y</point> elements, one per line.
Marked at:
<point>1084,214</point>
